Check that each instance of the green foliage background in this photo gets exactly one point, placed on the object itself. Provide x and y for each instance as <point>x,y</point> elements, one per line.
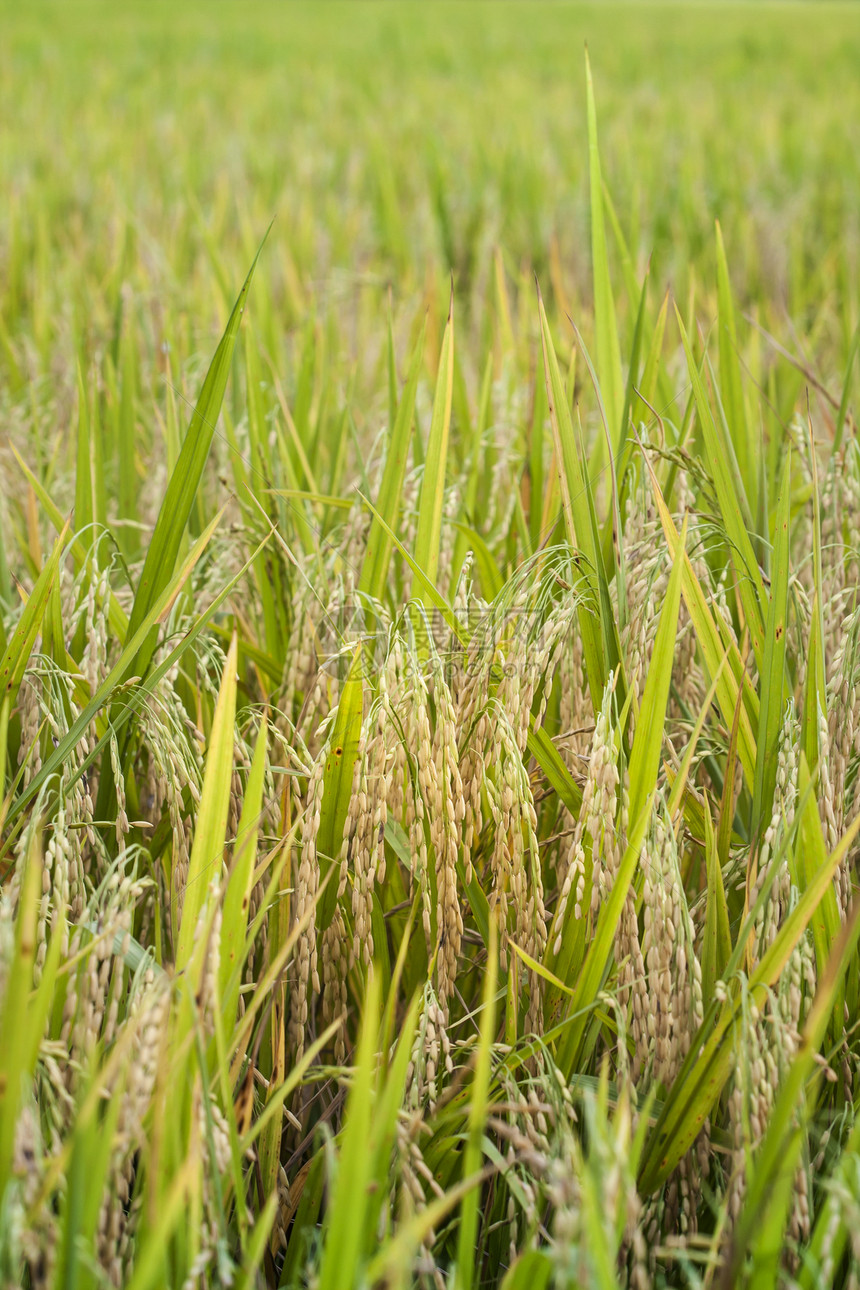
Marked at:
<point>177,1106</point>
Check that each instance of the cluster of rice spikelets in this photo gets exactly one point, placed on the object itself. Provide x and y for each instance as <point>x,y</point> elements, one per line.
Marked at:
<point>442,763</point>
<point>450,821</point>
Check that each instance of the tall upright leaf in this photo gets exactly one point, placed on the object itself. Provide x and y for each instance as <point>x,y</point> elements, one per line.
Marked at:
<point>578,516</point>
<point>432,494</point>
<point>734,507</point>
<point>16,655</point>
<point>377,556</point>
<point>341,755</point>
<point>732,679</point>
<point>608,348</point>
<point>182,486</point>
<point>815,700</point>
<point>731,382</point>
<point>84,461</point>
<point>209,834</point>
<point>773,680</point>
<point>717,941</point>
<point>234,917</point>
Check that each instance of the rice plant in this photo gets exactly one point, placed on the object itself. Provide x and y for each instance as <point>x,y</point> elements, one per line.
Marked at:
<point>429,668</point>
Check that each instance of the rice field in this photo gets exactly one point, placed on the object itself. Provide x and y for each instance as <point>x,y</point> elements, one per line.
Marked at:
<point>429,646</point>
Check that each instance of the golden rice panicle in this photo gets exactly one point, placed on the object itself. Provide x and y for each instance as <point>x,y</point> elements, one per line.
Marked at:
<point>241,766</point>
<point>335,966</point>
<point>438,799</point>
<point>309,692</point>
<point>363,847</point>
<point>555,645</point>
<point>601,819</point>
<point>210,1146</point>
<point>633,993</point>
<point>827,809</point>
<point>307,887</point>
<point>174,747</point>
<point>402,714</point>
<point>688,681</point>
<point>446,756</point>
<point>430,1055</point>
<point>30,713</point>
<point>673,972</point>
<point>532,657</point>
<point>850,476</point>
<point>515,861</point>
<point>839,531</point>
<point>301,662</point>
<point>647,579</point>
<point>447,812</point>
<point>91,1010</point>
<point>777,902</point>
<point>392,691</point>
<point>56,886</point>
<point>843,708</point>
<point>501,797</point>
<point>122,824</point>
<point>355,858</point>
<point>765,1044</point>
<point>421,772</point>
<point>582,873</point>
<point>94,660</point>
<point>416,1180</point>
<point>575,715</point>
<point>473,731</point>
<point>31,1228</point>
<point>118,1216</point>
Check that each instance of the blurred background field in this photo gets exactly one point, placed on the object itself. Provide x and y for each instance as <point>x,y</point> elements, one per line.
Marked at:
<point>578,1006</point>
<point>394,144</point>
